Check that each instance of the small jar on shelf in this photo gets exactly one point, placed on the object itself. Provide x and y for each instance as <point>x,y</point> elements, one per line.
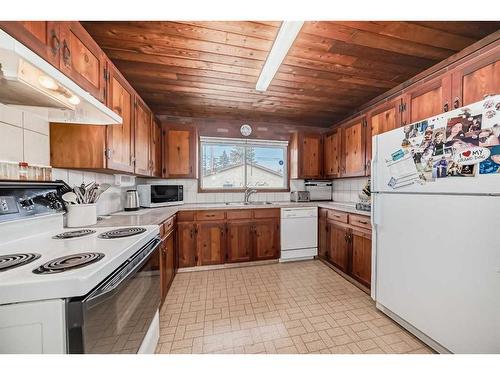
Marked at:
<point>23,172</point>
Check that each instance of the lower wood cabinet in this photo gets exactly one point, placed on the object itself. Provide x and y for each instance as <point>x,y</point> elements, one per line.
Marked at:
<point>267,239</point>
<point>345,242</point>
<point>209,238</point>
<point>239,241</point>
<point>167,256</point>
<point>211,243</point>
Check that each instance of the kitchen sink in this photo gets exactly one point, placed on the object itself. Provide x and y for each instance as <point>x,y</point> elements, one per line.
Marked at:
<point>247,203</point>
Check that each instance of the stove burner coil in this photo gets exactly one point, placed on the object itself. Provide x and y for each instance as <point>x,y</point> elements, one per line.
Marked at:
<point>122,232</point>
<point>68,262</point>
<point>11,261</point>
<point>73,234</point>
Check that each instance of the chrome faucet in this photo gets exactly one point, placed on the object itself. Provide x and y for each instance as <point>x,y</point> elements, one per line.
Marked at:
<point>248,192</point>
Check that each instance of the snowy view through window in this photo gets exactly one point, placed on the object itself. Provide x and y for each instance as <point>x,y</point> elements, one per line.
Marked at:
<point>237,165</point>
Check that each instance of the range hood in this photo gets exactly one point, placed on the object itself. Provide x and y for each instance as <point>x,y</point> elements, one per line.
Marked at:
<point>32,84</point>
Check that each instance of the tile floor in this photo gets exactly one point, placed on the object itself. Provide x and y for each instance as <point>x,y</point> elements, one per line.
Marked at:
<point>301,307</point>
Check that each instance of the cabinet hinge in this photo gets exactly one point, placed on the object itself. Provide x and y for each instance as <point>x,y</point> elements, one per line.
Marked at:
<point>108,153</point>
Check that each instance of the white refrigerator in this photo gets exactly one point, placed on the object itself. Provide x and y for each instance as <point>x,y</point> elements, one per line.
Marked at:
<point>436,228</point>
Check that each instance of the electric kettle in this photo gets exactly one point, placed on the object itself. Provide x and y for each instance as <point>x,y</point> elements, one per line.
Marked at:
<point>132,201</point>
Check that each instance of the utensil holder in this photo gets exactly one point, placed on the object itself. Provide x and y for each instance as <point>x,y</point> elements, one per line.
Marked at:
<point>81,215</point>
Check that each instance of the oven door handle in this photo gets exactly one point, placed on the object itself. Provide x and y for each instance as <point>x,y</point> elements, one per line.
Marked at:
<point>114,283</point>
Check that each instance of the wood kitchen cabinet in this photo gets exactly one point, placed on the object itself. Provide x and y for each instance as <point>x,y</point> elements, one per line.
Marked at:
<point>167,257</point>
<point>353,148</point>
<point>476,78</point>
<point>332,154</point>
<point>306,155</point>
<point>322,234</point>
<point>379,120</point>
<point>338,253</point>
<point>361,262</point>
<point>211,243</point>
<point>81,59</point>
<point>345,242</point>
<point>186,244</point>
<point>143,123</point>
<point>120,138</point>
<point>179,152</point>
<point>42,37</point>
<point>267,239</point>
<point>239,241</point>
<point>156,152</point>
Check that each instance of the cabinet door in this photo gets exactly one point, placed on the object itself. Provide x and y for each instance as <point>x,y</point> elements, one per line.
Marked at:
<point>179,152</point>
<point>361,265</point>
<point>42,37</point>
<point>155,149</point>
<point>427,100</point>
<point>170,257</point>
<point>310,156</point>
<point>163,270</point>
<point>331,155</point>
<point>338,246</point>
<point>186,245</point>
<point>142,138</point>
<point>266,239</point>
<point>353,147</point>
<point>239,241</point>
<point>380,120</point>
<point>477,78</point>
<point>211,238</point>
<point>120,138</point>
<point>323,237</point>
<point>82,59</point>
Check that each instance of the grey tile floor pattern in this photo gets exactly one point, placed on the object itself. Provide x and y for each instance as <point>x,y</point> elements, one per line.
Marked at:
<point>289,308</point>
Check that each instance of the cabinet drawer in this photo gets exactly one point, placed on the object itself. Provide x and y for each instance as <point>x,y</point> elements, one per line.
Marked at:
<point>266,212</point>
<point>210,215</point>
<point>185,216</point>
<point>239,214</point>
<point>338,216</point>
<point>360,221</point>
<point>168,225</point>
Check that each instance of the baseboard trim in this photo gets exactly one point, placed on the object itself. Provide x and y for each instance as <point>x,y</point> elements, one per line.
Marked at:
<point>227,265</point>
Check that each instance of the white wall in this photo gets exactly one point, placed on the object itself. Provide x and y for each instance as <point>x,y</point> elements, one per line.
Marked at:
<point>347,189</point>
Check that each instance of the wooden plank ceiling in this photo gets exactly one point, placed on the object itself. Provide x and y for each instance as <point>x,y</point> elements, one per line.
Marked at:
<point>209,69</point>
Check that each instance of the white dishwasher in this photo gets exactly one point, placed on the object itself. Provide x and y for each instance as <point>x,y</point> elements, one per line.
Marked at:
<point>299,233</point>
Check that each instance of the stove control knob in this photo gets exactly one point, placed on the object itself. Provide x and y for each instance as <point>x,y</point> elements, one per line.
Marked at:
<point>27,203</point>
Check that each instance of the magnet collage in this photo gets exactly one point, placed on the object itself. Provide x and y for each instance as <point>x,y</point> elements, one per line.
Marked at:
<point>456,144</point>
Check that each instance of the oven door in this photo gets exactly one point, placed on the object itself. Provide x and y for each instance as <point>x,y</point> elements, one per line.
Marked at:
<point>116,315</point>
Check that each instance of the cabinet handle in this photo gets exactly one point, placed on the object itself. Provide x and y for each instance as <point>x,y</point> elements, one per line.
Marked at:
<point>66,53</point>
<point>191,233</point>
<point>446,107</point>
<point>456,102</point>
<point>362,221</point>
<point>55,42</point>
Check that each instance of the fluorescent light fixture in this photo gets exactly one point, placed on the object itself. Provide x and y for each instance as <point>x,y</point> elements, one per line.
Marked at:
<point>284,40</point>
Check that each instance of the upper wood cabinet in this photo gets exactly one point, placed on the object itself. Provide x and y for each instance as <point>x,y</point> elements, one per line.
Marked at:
<point>427,100</point>
<point>381,119</point>
<point>143,122</point>
<point>353,148</point>
<point>82,59</point>
<point>306,155</point>
<point>156,152</point>
<point>476,78</point>
<point>120,138</point>
<point>179,152</point>
<point>42,37</point>
<point>332,154</point>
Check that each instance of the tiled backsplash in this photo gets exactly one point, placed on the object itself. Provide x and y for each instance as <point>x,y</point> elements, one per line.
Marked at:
<point>347,189</point>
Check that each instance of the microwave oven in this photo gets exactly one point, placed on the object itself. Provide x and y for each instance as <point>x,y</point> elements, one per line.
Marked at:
<point>159,195</point>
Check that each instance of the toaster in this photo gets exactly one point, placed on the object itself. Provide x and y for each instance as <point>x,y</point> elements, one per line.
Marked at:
<point>300,196</point>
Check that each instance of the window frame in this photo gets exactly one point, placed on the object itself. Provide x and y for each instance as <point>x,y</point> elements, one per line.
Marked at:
<point>238,190</point>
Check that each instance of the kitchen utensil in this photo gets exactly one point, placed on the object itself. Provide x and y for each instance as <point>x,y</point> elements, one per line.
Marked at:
<point>132,201</point>
<point>70,197</point>
<point>101,189</point>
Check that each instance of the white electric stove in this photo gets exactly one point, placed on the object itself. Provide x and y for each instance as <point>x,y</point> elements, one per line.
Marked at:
<point>73,290</point>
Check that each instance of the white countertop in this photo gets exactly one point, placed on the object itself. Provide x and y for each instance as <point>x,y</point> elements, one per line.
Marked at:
<point>155,216</point>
